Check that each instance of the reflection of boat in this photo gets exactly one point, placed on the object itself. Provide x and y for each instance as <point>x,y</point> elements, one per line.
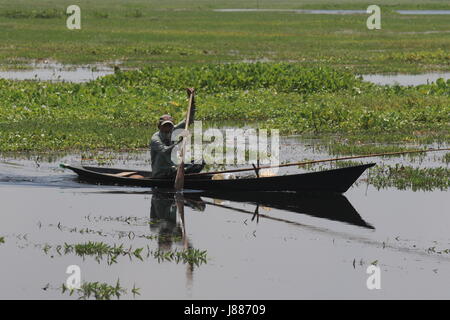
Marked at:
<point>333,207</point>
<point>327,181</point>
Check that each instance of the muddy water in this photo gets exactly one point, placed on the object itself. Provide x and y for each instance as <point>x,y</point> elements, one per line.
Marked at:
<point>315,248</point>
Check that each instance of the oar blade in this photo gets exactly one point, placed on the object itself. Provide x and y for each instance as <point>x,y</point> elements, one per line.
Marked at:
<point>179,180</point>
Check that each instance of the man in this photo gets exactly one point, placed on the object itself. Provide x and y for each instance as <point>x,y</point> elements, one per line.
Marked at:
<point>161,147</point>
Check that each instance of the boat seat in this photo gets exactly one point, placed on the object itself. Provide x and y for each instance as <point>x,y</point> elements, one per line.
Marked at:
<point>123,174</point>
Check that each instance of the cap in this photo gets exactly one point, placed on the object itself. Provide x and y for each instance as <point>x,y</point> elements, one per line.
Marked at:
<point>165,119</point>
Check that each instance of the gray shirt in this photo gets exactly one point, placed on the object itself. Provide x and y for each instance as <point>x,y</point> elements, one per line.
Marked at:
<point>160,151</point>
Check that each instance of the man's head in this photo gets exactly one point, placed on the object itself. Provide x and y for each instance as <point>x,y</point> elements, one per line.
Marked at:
<point>165,126</point>
<point>165,123</point>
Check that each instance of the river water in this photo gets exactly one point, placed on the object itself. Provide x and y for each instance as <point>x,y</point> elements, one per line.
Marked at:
<point>300,247</point>
<point>337,12</point>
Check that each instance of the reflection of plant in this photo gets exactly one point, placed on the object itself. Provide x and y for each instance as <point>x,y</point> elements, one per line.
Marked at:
<point>100,291</point>
<point>135,291</point>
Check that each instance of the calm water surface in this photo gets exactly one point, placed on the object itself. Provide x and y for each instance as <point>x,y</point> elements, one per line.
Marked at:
<point>406,79</point>
<point>296,247</point>
<point>52,71</point>
<point>338,12</point>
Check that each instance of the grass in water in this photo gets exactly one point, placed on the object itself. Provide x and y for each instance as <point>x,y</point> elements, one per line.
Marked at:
<point>406,177</point>
<point>100,251</point>
<point>98,290</point>
<point>400,176</point>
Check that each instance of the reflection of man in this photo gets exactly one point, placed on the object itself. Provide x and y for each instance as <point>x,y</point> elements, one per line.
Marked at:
<point>161,146</point>
<point>163,218</point>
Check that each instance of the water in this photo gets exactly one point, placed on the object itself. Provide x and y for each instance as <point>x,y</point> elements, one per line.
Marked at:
<point>301,247</point>
<point>338,12</point>
<point>423,12</point>
<point>295,11</point>
<point>52,71</point>
<point>405,79</point>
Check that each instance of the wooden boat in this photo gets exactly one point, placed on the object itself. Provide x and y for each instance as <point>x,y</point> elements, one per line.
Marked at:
<point>327,181</point>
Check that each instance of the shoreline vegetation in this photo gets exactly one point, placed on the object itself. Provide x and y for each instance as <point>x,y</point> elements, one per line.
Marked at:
<point>119,111</point>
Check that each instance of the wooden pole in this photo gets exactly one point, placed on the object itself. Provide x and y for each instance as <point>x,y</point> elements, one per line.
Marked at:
<point>179,180</point>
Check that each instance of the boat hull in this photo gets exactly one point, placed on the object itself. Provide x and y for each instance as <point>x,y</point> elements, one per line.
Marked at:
<point>327,181</point>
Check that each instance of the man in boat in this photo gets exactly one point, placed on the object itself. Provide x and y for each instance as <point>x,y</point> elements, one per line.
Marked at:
<point>161,146</point>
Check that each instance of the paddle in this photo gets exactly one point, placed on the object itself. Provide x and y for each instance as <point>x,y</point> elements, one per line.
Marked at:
<point>179,180</point>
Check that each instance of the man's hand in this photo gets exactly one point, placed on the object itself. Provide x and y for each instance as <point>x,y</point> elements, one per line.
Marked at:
<point>190,91</point>
<point>183,134</point>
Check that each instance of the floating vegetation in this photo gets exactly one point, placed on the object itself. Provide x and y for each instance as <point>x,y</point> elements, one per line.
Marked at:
<point>406,177</point>
<point>399,176</point>
<point>119,111</point>
<point>190,255</point>
<point>2,239</point>
<point>100,251</point>
<point>119,234</point>
<point>98,290</point>
<point>446,158</point>
<point>283,77</point>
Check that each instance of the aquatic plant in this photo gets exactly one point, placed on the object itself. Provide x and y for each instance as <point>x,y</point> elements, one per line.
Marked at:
<point>119,112</point>
<point>406,177</point>
<point>101,250</point>
<point>283,77</point>
<point>98,290</point>
<point>190,255</point>
<point>399,176</point>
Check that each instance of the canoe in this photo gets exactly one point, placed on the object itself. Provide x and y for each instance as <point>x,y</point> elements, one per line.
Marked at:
<point>327,181</point>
